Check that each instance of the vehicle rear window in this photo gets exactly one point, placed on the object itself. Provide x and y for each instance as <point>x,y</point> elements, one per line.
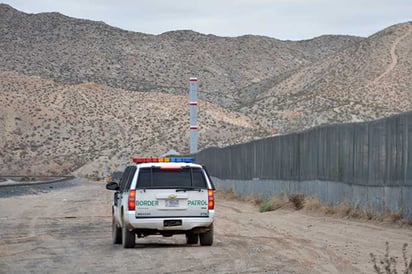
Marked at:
<point>155,177</point>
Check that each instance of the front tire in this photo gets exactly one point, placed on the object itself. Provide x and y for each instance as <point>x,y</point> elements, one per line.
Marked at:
<point>128,237</point>
<point>116,233</point>
<point>207,237</point>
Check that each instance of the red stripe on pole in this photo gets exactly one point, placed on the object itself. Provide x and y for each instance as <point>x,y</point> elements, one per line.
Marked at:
<point>193,79</point>
<point>193,104</point>
<point>193,127</point>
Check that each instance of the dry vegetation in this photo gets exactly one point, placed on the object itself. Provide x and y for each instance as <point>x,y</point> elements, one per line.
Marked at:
<point>391,264</point>
<point>298,201</point>
<point>230,195</point>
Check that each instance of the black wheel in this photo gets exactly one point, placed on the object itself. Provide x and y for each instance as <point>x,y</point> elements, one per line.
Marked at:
<point>116,233</point>
<point>191,238</point>
<point>128,237</point>
<point>207,237</point>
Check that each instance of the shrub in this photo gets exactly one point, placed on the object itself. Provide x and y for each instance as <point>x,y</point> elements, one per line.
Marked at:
<point>313,204</point>
<point>395,216</point>
<point>255,200</point>
<point>298,200</point>
<point>227,194</point>
<point>273,203</point>
<point>25,179</point>
<point>266,206</point>
<point>388,263</point>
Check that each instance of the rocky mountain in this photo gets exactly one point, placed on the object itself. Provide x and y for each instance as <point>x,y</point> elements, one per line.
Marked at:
<point>70,50</point>
<point>76,93</point>
<point>366,81</point>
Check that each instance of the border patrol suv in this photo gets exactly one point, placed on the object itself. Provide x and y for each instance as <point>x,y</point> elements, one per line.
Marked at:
<point>163,196</point>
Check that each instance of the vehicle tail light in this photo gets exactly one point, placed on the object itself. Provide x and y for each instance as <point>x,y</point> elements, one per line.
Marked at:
<point>211,199</point>
<point>132,200</point>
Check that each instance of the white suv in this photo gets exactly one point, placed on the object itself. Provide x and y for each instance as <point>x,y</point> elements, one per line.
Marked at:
<point>163,196</point>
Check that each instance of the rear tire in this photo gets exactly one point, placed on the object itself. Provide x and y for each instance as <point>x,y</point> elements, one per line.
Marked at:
<point>207,237</point>
<point>116,233</point>
<point>191,238</point>
<point>128,237</point>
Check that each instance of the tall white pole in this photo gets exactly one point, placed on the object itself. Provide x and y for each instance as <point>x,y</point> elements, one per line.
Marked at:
<point>193,114</point>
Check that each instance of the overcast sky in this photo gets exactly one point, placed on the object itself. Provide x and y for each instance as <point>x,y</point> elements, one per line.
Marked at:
<point>282,19</point>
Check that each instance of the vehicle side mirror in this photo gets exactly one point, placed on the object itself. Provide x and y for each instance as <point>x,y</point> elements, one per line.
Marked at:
<point>112,186</point>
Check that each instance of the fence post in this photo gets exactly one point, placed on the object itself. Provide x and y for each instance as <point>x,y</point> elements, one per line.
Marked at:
<point>405,160</point>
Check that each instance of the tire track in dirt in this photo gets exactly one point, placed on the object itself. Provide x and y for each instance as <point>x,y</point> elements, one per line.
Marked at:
<point>277,241</point>
<point>322,244</point>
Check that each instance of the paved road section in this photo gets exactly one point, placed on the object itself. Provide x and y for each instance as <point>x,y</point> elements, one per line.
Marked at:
<point>16,181</point>
<point>67,229</point>
<point>9,187</point>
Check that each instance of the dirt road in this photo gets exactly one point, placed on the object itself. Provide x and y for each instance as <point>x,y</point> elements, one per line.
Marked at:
<point>68,230</point>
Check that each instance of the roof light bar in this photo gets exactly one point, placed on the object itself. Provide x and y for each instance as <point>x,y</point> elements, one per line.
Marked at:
<point>164,160</point>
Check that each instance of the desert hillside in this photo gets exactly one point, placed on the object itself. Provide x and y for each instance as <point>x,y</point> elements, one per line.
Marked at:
<point>75,94</point>
<point>366,81</point>
<point>47,127</point>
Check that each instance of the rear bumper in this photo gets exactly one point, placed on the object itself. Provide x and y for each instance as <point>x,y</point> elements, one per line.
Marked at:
<point>188,223</point>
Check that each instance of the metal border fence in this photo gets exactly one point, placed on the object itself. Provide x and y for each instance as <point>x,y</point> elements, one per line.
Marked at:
<point>366,156</point>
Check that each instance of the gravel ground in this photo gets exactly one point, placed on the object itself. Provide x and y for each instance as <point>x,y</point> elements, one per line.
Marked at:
<point>67,229</point>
